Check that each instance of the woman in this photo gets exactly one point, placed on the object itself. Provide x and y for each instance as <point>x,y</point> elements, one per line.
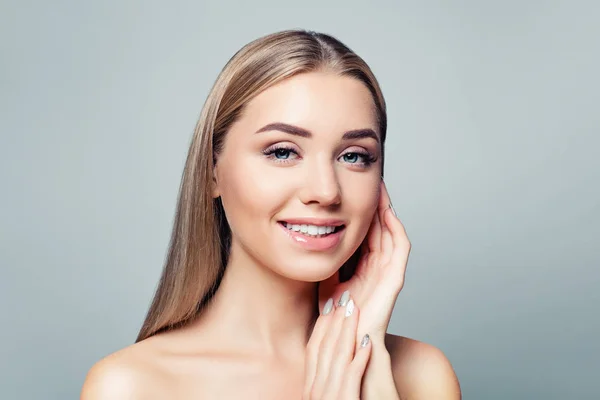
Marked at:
<point>286,257</point>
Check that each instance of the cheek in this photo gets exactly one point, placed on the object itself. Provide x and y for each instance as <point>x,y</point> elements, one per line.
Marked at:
<point>361,191</point>
<point>250,195</point>
<point>361,198</point>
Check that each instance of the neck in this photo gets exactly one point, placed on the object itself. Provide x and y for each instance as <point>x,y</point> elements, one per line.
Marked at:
<point>260,309</point>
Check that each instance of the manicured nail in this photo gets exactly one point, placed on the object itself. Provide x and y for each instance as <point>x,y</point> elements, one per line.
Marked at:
<point>327,307</point>
<point>349,308</point>
<point>344,299</point>
<point>365,340</point>
<point>392,208</point>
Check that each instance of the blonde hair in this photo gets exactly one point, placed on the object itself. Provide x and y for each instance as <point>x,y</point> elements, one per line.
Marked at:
<point>200,239</point>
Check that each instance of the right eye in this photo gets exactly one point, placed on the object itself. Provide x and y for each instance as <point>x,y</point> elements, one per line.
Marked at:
<point>280,153</point>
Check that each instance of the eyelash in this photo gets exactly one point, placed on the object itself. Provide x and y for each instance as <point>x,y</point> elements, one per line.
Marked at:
<point>368,159</point>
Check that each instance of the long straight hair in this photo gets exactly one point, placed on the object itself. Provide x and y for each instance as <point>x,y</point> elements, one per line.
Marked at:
<point>201,238</point>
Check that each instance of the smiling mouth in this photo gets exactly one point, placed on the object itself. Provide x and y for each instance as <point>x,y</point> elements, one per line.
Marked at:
<point>315,231</point>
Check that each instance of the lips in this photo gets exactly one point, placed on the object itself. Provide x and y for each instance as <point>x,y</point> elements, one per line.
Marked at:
<point>319,242</point>
<point>312,230</point>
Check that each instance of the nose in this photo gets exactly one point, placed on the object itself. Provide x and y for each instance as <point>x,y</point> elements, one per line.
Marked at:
<point>321,185</point>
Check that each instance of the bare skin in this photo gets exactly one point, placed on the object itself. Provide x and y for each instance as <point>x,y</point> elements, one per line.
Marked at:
<point>251,342</point>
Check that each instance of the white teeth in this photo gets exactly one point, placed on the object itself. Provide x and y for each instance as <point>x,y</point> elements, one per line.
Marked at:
<point>311,230</point>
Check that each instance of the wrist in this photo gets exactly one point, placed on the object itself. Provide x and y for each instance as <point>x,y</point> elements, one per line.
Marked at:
<point>379,353</point>
<point>378,382</point>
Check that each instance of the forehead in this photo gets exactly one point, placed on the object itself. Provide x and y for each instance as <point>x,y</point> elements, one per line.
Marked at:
<point>317,101</point>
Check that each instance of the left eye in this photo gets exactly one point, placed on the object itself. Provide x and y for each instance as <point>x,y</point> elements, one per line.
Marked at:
<point>282,154</point>
<point>352,158</point>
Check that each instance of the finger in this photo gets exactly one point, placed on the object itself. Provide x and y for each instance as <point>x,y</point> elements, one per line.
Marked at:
<point>382,206</point>
<point>312,348</point>
<point>393,224</point>
<point>374,234</point>
<point>353,379</point>
<point>384,199</point>
<point>396,228</point>
<point>398,236</point>
<point>401,249</point>
<point>387,244</point>
<point>344,352</point>
<point>327,347</point>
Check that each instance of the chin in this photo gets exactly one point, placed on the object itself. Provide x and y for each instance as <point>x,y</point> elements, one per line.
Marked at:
<point>309,268</point>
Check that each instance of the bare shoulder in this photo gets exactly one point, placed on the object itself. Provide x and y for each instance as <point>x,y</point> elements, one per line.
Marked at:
<point>421,371</point>
<point>130,373</point>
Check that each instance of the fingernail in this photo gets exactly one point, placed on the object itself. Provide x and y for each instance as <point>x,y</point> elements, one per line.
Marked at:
<point>344,299</point>
<point>327,307</point>
<point>392,208</point>
<point>365,340</point>
<point>349,308</point>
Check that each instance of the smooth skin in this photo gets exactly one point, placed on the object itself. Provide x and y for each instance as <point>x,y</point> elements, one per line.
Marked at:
<point>335,365</point>
<point>256,340</point>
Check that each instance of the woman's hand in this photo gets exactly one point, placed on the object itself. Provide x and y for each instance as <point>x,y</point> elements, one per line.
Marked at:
<point>335,362</point>
<point>375,285</point>
<point>379,276</point>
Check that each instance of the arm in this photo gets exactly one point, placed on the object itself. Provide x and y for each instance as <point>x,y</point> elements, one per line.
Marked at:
<point>379,380</point>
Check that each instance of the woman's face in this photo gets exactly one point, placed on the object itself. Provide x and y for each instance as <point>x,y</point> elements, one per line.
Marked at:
<point>299,175</point>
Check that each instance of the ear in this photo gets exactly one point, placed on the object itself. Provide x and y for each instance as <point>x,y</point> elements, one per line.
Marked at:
<point>215,184</point>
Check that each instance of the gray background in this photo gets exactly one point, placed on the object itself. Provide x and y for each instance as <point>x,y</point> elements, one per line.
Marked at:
<point>492,162</point>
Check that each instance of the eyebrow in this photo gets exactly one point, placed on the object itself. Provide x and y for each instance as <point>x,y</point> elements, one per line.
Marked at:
<point>296,130</point>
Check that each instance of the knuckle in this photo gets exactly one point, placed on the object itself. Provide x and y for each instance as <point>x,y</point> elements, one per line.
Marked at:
<point>326,345</point>
<point>401,283</point>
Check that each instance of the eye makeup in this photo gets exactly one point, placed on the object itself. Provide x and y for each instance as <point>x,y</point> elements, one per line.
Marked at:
<point>284,153</point>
